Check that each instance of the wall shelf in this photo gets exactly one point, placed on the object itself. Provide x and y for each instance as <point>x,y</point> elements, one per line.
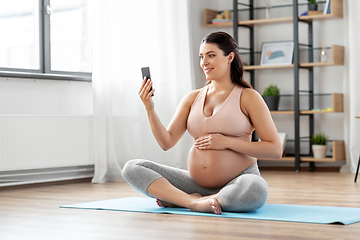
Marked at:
<point>258,67</point>
<point>251,23</point>
<point>285,159</point>
<point>337,58</point>
<point>338,149</point>
<point>336,11</point>
<point>337,106</point>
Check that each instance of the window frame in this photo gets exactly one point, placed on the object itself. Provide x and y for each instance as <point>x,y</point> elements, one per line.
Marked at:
<point>44,71</point>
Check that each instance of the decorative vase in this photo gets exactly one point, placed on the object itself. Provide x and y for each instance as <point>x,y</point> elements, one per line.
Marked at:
<point>272,102</point>
<point>323,57</point>
<point>313,7</point>
<point>268,13</point>
<point>319,151</point>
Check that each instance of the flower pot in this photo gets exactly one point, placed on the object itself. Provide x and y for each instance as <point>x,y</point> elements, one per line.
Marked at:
<point>313,7</point>
<point>272,102</point>
<point>319,151</point>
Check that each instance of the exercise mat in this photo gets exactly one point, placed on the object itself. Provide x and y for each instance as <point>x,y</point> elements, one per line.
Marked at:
<point>269,212</point>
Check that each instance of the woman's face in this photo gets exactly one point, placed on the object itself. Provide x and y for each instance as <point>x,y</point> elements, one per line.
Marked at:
<point>213,62</point>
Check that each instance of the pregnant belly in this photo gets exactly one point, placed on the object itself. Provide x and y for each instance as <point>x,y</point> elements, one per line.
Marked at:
<point>213,169</point>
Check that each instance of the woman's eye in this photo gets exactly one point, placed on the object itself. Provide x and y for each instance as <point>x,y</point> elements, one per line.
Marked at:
<point>201,57</point>
<point>211,55</point>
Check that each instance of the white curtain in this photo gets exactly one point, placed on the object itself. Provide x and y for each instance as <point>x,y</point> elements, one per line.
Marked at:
<point>128,35</point>
<point>352,85</point>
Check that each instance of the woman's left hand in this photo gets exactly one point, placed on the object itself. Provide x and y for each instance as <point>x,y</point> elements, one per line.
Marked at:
<point>213,141</point>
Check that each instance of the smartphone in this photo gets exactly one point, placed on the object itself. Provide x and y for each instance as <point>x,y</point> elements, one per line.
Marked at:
<point>146,73</point>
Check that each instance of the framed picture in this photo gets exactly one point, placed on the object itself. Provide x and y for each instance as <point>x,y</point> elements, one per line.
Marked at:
<point>277,53</point>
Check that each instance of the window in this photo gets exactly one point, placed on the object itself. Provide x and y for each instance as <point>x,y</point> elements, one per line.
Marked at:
<point>45,39</point>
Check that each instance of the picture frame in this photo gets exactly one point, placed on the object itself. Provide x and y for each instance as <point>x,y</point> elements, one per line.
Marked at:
<point>277,53</point>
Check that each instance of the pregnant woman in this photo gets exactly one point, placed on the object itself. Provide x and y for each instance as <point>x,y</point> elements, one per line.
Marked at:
<point>222,164</point>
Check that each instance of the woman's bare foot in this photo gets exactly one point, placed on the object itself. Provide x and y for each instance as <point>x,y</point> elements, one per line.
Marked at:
<point>207,204</point>
<point>165,204</point>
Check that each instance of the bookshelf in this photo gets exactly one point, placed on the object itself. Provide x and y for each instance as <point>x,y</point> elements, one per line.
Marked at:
<point>337,59</point>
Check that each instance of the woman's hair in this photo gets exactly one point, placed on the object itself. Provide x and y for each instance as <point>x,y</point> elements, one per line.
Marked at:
<point>227,44</point>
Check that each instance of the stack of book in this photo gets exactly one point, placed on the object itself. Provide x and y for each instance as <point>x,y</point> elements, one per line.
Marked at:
<point>217,21</point>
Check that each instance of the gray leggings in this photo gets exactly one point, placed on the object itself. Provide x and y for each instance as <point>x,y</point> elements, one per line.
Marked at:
<point>245,193</point>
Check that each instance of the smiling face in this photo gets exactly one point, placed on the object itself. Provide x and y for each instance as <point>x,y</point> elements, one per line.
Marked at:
<point>213,62</point>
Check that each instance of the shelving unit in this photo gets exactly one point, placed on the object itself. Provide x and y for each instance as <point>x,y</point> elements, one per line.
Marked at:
<point>337,58</point>
<point>338,154</point>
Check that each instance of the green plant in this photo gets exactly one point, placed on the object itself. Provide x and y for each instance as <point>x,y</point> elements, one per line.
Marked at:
<point>319,139</point>
<point>312,1</point>
<point>271,90</point>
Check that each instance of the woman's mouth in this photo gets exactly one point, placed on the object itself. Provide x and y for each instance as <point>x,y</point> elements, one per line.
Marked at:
<point>207,70</point>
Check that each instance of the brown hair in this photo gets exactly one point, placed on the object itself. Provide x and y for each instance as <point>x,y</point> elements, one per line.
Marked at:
<point>227,44</point>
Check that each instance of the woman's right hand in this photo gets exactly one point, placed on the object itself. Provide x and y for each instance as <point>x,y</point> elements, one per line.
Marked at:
<point>145,94</point>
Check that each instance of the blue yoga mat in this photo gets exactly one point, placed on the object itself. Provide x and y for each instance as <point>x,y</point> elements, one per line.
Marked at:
<point>270,212</point>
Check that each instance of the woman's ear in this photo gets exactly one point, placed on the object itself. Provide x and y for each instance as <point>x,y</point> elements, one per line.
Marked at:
<point>231,57</point>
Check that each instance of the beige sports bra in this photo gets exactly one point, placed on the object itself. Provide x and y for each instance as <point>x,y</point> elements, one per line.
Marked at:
<point>228,120</point>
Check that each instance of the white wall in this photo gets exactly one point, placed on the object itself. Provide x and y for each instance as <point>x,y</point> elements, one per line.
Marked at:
<point>198,32</point>
<point>327,79</point>
<point>44,97</point>
<point>45,123</point>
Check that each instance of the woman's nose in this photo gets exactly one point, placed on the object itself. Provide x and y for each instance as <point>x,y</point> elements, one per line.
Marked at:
<point>204,62</point>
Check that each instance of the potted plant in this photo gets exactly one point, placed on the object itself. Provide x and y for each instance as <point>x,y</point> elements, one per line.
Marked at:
<point>271,96</point>
<point>313,5</point>
<point>319,146</point>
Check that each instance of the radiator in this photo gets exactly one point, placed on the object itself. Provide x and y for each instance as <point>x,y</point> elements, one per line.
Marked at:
<point>31,143</point>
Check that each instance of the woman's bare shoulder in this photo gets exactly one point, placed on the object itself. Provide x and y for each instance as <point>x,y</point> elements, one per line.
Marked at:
<point>187,101</point>
<point>249,95</point>
<point>250,98</point>
<point>190,97</point>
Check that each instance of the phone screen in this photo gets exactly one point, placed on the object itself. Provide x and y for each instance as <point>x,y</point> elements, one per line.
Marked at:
<point>146,73</point>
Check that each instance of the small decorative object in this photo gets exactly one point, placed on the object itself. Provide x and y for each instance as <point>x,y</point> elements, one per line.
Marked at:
<point>271,96</point>
<point>219,16</point>
<point>313,5</point>
<point>268,9</point>
<point>227,14</point>
<point>319,146</point>
<point>277,53</point>
<point>323,56</point>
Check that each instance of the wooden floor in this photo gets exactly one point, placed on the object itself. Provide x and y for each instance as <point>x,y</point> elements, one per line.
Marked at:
<point>34,213</point>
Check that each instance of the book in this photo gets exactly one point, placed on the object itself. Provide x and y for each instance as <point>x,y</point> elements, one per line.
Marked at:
<point>283,138</point>
<point>221,20</point>
<point>327,7</point>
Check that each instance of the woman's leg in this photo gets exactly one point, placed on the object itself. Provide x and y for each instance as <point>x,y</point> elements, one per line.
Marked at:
<point>169,184</point>
<point>164,190</point>
<point>245,193</point>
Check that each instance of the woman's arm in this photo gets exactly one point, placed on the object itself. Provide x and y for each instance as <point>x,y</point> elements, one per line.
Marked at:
<point>255,108</point>
<point>167,138</point>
